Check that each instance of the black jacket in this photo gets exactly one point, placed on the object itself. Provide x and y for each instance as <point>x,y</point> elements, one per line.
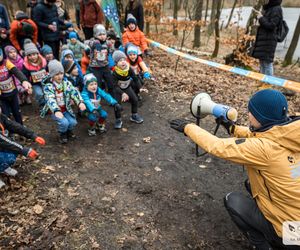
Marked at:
<point>138,13</point>
<point>8,145</point>
<point>266,37</point>
<point>44,15</point>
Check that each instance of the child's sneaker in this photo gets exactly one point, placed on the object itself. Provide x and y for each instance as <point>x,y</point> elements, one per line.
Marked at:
<point>10,171</point>
<point>118,123</point>
<point>91,131</point>
<point>70,135</point>
<point>101,128</point>
<point>2,183</point>
<point>63,138</point>
<point>136,118</point>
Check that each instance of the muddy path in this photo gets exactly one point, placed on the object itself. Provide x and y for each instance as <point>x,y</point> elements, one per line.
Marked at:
<point>138,188</point>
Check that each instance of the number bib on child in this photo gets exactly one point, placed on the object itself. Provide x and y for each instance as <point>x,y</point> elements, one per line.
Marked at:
<point>124,84</point>
<point>101,55</point>
<point>60,99</point>
<point>38,76</point>
<point>7,86</point>
<point>96,103</point>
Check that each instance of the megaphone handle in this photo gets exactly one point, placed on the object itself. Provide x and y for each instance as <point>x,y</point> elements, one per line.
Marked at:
<point>198,124</point>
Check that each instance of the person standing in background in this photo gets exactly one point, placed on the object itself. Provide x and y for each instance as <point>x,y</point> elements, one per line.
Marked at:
<point>135,8</point>
<point>4,20</point>
<point>90,14</point>
<point>46,17</point>
<point>266,37</point>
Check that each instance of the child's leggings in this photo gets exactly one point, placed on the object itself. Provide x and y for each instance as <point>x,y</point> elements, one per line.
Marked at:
<point>10,104</point>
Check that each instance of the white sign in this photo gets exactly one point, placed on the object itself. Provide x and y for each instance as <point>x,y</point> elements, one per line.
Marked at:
<point>291,233</point>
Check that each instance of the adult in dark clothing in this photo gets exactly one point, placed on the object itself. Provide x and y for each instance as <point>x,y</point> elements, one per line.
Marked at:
<point>4,20</point>
<point>9,149</point>
<point>266,37</point>
<point>4,38</point>
<point>30,8</point>
<point>135,8</point>
<point>46,17</point>
<point>90,14</point>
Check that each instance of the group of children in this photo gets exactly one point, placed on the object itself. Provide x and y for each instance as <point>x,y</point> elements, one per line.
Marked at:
<point>100,68</point>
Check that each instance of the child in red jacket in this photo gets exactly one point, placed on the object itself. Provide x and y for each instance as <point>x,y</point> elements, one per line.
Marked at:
<point>133,35</point>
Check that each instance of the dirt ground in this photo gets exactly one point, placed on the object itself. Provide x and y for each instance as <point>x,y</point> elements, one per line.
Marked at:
<point>141,187</point>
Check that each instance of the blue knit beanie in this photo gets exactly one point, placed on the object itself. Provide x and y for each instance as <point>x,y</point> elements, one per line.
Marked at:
<point>46,49</point>
<point>268,106</point>
<point>72,35</point>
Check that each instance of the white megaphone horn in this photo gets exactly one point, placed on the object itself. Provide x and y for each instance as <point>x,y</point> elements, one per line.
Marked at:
<point>203,104</point>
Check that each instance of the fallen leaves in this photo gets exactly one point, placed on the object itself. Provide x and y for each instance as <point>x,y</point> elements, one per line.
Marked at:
<point>147,139</point>
<point>38,209</point>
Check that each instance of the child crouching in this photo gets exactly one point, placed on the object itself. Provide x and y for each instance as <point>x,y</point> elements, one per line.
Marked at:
<point>92,95</point>
<point>59,93</point>
<point>126,86</point>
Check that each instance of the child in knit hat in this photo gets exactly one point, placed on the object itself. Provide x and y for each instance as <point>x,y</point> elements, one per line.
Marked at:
<point>100,58</point>
<point>59,94</point>
<point>126,87</point>
<point>72,74</point>
<point>35,69</point>
<point>136,62</point>
<point>12,54</point>
<point>76,46</point>
<point>68,55</point>
<point>47,53</point>
<point>133,35</point>
<point>92,96</point>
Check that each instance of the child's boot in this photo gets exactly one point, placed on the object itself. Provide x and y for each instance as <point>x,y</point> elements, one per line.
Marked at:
<point>118,123</point>
<point>2,184</point>
<point>10,171</point>
<point>101,127</point>
<point>92,130</point>
<point>136,118</point>
<point>63,138</point>
<point>70,135</point>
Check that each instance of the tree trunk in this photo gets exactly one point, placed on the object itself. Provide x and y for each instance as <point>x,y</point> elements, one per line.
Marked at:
<point>290,53</point>
<point>217,29</point>
<point>198,17</point>
<point>211,25</point>
<point>206,11</point>
<point>250,28</point>
<point>22,5</point>
<point>175,16</point>
<point>231,13</point>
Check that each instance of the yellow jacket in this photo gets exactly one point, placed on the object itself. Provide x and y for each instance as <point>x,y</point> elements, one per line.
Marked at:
<point>272,159</point>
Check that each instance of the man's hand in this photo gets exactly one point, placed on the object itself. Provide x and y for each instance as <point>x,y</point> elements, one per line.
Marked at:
<point>227,124</point>
<point>59,115</point>
<point>179,124</point>
<point>52,27</point>
<point>40,140</point>
<point>82,106</point>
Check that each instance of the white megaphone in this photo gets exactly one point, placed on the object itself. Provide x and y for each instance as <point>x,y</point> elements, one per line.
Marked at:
<point>203,104</point>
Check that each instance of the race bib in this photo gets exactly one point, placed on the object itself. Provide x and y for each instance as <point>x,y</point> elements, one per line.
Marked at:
<point>124,84</point>
<point>7,86</point>
<point>38,76</point>
<point>60,99</point>
<point>96,103</point>
<point>101,55</point>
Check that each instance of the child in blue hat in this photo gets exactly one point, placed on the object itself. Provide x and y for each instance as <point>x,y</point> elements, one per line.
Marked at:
<point>76,46</point>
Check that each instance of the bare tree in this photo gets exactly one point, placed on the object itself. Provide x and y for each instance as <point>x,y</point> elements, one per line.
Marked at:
<point>198,17</point>
<point>231,14</point>
<point>290,53</point>
<point>211,26</point>
<point>206,10</point>
<point>217,29</point>
<point>175,17</point>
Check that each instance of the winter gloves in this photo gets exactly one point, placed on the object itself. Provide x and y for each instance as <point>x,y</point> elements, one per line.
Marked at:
<point>179,124</point>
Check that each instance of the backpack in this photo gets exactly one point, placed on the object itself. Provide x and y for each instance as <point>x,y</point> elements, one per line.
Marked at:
<point>282,31</point>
